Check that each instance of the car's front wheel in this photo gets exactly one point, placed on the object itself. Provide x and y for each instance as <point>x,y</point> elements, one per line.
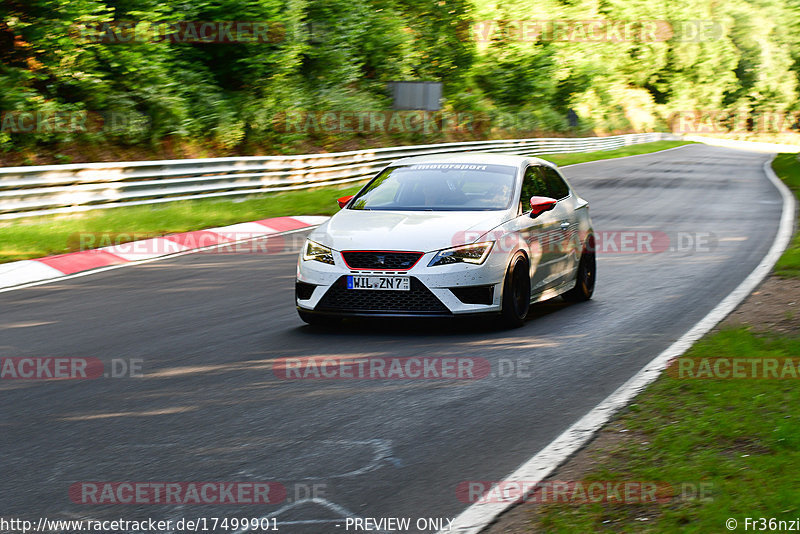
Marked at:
<point>516,293</point>
<point>585,278</point>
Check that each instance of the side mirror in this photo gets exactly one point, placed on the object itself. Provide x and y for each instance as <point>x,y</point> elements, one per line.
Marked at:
<point>344,200</point>
<point>540,205</point>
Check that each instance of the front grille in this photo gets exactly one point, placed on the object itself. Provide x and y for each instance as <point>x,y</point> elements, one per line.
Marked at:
<point>474,294</point>
<point>418,300</point>
<point>376,259</point>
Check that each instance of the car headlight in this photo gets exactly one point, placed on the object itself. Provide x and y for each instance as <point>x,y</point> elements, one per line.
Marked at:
<point>475,254</point>
<point>315,252</point>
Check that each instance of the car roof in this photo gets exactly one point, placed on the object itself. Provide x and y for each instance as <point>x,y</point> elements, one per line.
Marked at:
<point>473,157</point>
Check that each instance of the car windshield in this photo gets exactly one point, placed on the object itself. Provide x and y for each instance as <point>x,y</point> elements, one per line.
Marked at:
<point>439,187</point>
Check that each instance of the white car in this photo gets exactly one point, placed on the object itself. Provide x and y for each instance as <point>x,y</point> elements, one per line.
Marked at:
<point>450,235</point>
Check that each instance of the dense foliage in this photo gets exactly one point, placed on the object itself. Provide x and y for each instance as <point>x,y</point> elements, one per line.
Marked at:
<point>339,54</point>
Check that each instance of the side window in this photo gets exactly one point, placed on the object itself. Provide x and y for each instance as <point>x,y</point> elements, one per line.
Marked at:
<point>533,185</point>
<point>556,186</point>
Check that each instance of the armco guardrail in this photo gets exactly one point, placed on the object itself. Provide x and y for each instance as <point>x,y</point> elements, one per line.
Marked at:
<point>47,189</point>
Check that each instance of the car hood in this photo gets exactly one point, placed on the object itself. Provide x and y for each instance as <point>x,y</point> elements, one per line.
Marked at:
<point>423,231</point>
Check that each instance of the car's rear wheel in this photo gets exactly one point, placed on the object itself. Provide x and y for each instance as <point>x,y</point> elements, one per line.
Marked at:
<point>585,278</point>
<point>516,293</point>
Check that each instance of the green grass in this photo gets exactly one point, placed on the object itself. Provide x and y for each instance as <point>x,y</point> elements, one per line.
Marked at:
<point>741,437</point>
<point>42,236</point>
<point>787,167</point>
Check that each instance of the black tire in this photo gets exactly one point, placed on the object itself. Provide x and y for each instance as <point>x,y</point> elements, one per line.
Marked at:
<point>586,276</point>
<point>314,319</point>
<point>516,293</point>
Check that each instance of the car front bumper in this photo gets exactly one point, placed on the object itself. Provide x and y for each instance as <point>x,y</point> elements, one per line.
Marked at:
<point>441,291</point>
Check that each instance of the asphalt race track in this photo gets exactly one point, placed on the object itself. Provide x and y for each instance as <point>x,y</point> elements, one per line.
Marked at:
<point>206,328</point>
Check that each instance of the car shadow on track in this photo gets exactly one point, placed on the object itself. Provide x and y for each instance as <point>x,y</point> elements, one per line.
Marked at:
<point>414,327</point>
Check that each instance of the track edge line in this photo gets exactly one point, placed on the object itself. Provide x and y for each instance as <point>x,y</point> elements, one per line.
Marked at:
<point>479,516</point>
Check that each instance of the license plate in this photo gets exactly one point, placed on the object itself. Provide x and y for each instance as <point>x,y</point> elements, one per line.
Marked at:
<point>382,283</point>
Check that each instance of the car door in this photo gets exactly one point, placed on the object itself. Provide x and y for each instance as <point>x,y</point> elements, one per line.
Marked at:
<point>568,241</point>
<point>541,234</point>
